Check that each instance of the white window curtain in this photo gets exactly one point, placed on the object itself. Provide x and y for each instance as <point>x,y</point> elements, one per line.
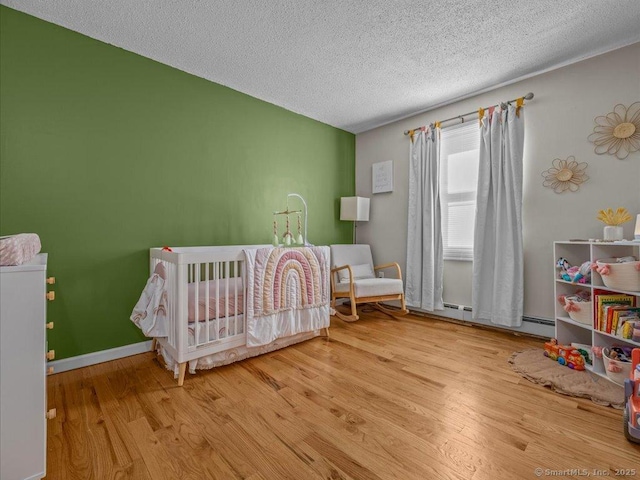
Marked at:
<point>498,271</point>
<point>424,233</point>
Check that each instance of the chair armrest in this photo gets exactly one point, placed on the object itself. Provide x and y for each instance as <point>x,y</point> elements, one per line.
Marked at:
<point>390,265</point>
<point>336,270</point>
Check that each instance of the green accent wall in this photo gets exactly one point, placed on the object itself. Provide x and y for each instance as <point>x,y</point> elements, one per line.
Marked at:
<point>104,154</point>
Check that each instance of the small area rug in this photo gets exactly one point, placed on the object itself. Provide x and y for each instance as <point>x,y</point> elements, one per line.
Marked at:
<point>534,366</point>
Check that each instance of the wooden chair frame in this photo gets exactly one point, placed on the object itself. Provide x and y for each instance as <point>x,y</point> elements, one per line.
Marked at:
<point>359,300</point>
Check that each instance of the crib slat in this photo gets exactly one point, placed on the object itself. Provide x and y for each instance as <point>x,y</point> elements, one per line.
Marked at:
<point>182,310</point>
<point>196,301</point>
<point>235,293</point>
<point>226,297</point>
<point>241,274</point>
<point>217,280</point>
<point>173,308</point>
<point>207,300</point>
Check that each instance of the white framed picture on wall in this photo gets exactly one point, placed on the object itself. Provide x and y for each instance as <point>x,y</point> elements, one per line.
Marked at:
<point>382,177</point>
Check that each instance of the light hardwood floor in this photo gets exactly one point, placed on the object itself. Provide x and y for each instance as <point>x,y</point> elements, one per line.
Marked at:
<point>401,399</point>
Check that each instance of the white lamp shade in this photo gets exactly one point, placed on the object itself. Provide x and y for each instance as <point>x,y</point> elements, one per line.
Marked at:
<point>637,231</point>
<point>354,208</point>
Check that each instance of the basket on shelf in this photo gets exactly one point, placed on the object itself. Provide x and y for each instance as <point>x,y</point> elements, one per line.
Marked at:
<point>616,370</point>
<point>621,276</point>
<point>578,311</point>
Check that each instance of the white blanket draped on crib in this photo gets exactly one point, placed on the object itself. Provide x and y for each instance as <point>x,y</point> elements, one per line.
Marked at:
<point>150,313</point>
<point>288,292</point>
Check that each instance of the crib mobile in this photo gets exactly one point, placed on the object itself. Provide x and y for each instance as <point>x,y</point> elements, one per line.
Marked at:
<point>288,239</point>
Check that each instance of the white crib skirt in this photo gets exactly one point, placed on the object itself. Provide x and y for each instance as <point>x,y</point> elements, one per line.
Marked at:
<point>233,355</point>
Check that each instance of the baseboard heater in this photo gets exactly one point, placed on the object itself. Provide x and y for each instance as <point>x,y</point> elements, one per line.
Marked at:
<point>525,318</point>
<point>541,321</point>
<point>457,307</point>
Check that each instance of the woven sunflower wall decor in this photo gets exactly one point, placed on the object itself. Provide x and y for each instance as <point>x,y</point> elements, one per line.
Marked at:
<point>565,175</point>
<point>618,132</point>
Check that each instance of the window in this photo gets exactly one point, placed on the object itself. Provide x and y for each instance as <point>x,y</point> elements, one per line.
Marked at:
<point>459,160</point>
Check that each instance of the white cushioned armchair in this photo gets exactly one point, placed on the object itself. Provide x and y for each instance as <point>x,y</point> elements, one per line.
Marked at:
<point>353,276</point>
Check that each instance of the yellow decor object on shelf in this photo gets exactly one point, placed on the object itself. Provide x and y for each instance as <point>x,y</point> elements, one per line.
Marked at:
<point>613,220</point>
<point>608,217</point>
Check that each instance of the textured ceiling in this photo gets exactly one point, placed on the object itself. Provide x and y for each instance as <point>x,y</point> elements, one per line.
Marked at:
<point>353,64</point>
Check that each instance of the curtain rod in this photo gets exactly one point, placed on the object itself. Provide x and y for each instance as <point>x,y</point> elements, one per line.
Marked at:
<point>528,96</point>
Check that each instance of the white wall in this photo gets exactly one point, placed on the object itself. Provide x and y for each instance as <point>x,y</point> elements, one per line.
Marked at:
<point>558,121</point>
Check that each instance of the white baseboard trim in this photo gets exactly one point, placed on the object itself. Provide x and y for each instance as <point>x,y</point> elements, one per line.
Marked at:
<point>464,315</point>
<point>93,358</point>
<point>539,330</point>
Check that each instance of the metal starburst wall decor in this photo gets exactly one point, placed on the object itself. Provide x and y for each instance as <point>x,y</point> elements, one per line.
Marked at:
<point>565,175</point>
<point>618,132</point>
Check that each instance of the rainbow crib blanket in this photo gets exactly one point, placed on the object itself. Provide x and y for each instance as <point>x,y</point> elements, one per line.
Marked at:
<point>288,292</point>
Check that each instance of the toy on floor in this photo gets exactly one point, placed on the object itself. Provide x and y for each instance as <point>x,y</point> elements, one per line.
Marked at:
<point>631,417</point>
<point>564,354</point>
<point>585,351</point>
<point>585,355</point>
<point>581,274</point>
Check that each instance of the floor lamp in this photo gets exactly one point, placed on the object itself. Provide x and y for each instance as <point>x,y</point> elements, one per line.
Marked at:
<point>355,209</point>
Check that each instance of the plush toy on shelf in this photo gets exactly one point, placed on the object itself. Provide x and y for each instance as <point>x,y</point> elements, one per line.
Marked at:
<point>568,273</point>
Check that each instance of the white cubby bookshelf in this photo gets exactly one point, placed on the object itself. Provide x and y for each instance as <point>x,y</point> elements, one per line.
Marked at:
<point>569,331</point>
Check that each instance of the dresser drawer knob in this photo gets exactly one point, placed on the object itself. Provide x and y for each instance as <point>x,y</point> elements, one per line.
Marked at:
<point>51,296</point>
<point>51,414</point>
<point>50,325</point>
<point>50,371</point>
<point>51,354</point>
<point>51,280</point>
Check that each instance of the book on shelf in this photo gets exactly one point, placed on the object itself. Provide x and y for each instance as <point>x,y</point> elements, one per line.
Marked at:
<point>620,316</point>
<point>604,298</point>
<point>609,316</point>
<point>627,321</point>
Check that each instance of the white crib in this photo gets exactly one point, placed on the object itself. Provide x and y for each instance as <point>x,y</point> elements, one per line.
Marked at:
<point>206,298</point>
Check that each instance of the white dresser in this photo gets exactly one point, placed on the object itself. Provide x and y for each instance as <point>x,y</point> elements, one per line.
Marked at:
<point>23,358</point>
